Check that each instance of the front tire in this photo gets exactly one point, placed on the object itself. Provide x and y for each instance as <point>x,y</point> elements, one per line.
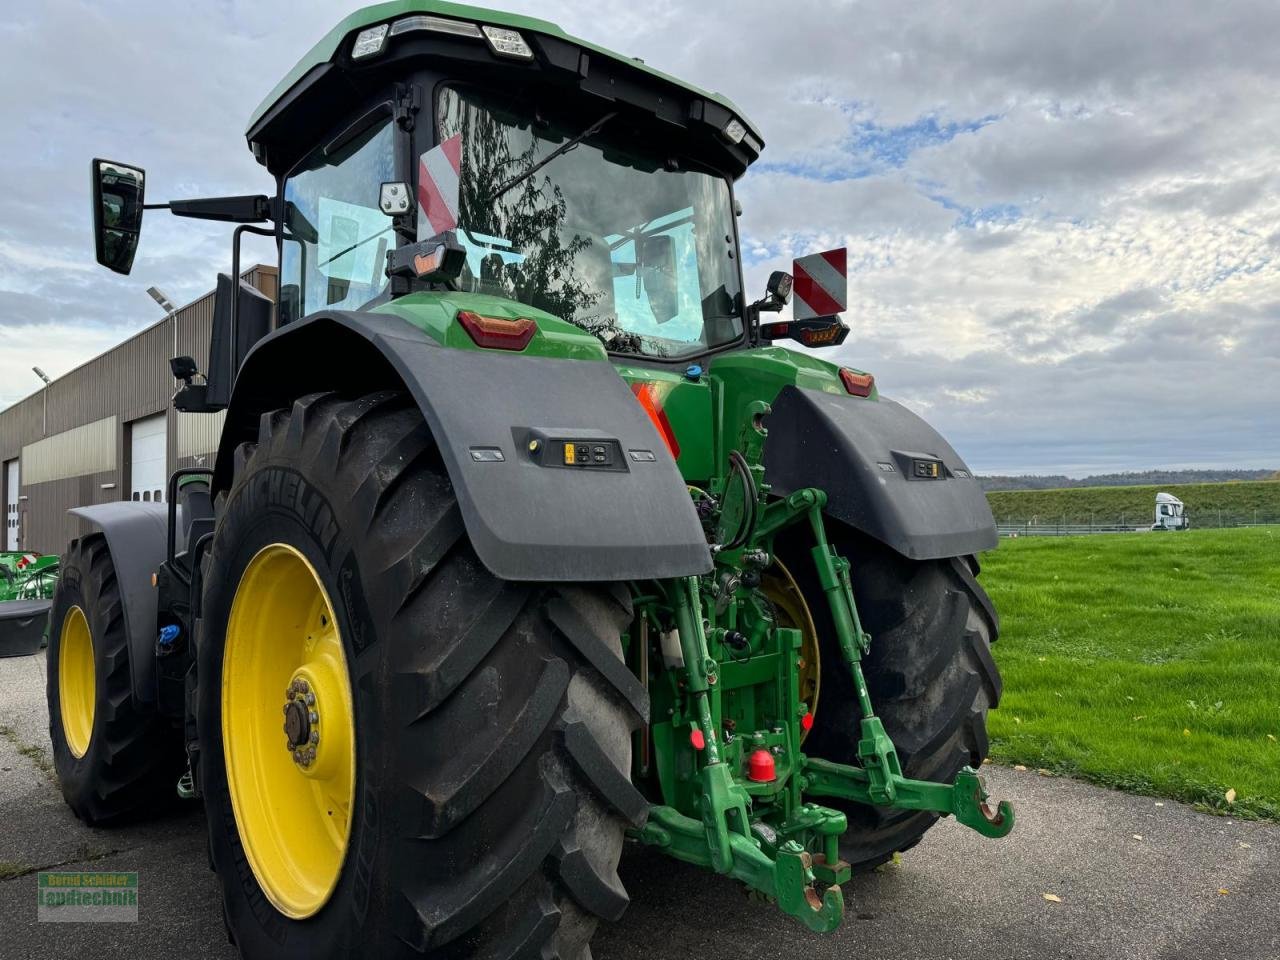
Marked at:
<point>491,721</point>
<point>113,758</point>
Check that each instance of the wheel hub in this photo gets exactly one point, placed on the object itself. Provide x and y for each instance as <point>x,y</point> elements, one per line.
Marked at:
<point>301,717</point>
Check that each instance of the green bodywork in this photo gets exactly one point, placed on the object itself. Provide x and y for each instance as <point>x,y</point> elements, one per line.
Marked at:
<point>32,581</point>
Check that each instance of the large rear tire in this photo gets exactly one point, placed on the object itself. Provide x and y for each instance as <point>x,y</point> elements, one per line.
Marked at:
<point>113,758</point>
<point>491,721</point>
<point>930,675</point>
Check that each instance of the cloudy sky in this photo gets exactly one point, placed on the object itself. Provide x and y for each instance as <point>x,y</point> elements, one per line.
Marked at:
<point>1063,219</point>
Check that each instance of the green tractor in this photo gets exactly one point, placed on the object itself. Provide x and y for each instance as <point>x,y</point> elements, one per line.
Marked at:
<point>26,584</point>
<point>523,539</point>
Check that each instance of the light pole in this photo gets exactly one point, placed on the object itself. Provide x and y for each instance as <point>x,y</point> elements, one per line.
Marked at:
<point>156,294</point>
<point>44,391</point>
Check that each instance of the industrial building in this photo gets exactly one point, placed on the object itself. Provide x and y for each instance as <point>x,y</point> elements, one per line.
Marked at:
<point>107,430</point>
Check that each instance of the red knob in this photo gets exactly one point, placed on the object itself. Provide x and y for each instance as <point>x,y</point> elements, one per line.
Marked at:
<point>760,767</point>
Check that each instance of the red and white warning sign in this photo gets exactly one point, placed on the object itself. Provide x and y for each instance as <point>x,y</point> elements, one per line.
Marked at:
<point>438,171</point>
<point>26,560</point>
<point>821,284</point>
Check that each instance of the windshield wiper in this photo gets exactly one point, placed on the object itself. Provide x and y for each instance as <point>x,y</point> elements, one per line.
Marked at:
<point>557,152</point>
<point>358,243</point>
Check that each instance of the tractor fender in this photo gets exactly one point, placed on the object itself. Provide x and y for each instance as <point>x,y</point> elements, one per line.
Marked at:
<point>135,534</point>
<point>862,453</point>
<point>499,420</point>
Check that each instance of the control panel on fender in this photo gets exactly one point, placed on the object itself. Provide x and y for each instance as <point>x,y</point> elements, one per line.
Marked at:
<point>576,453</point>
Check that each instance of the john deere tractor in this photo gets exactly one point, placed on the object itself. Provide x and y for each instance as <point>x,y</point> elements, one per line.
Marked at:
<point>525,538</point>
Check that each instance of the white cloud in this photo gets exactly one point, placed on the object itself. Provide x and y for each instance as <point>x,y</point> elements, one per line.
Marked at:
<point>1061,217</point>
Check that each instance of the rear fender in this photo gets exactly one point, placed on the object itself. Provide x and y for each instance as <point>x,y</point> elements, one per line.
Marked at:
<point>135,534</point>
<point>494,415</point>
<point>861,453</point>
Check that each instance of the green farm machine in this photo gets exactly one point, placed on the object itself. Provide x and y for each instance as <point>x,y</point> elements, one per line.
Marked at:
<point>525,538</point>
<point>26,584</point>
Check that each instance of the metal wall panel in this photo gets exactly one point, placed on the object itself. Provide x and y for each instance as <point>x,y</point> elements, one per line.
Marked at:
<point>47,527</point>
<point>90,448</point>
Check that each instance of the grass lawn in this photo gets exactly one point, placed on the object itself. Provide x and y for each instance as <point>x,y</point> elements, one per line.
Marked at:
<point>1148,662</point>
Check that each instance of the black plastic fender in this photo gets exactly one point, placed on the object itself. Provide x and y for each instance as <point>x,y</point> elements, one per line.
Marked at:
<point>135,535</point>
<point>862,452</point>
<point>528,515</point>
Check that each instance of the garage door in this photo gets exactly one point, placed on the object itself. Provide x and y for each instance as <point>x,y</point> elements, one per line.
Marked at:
<point>147,458</point>
<point>11,505</point>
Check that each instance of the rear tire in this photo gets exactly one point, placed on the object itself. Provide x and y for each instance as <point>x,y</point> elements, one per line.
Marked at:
<point>492,719</point>
<point>929,672</point>
<point>132,758</point>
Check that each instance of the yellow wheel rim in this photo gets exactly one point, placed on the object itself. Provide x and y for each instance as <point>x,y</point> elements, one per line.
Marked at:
<point>288,730</point>
<point>793,612</point>
<point>77,683</point>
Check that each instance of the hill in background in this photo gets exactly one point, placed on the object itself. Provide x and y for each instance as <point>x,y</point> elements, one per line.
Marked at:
<point>1132,479</point>
<point>1208,504</point>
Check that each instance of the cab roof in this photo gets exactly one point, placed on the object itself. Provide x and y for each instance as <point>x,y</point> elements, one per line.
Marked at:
<point>329,45</point>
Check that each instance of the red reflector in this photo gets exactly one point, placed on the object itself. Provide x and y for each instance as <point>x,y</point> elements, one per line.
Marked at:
<point>806,722</point>
<point>858,384</point>
<point>697,739</point>
<point>647,394</point>
<point>760,767</point>
<point>496,333</point>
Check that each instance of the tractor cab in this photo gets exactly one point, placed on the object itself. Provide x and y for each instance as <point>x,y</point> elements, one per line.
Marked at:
<point>584,185</point>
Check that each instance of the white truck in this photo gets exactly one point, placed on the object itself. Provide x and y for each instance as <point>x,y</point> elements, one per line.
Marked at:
<point>1171,514</point>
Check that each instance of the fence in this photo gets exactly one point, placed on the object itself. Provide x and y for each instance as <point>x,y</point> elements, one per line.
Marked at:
<point>1073,526</point>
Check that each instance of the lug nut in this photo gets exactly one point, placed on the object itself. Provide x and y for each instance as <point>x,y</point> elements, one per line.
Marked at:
<point>315,737</point>
<point>313,717</point>
<point>311,699</point>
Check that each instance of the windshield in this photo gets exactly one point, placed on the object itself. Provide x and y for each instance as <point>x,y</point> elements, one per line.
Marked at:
<point>336,239</point>
<point>641,257</point>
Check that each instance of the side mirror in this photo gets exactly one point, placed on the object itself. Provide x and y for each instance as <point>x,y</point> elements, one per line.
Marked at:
<point>657,271</point>
<point>779,288</point>
<point>118,193</point>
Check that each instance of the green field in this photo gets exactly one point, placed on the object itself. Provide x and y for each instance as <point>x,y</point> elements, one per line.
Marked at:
<point>1146,661</point>
<point>1208,504</point>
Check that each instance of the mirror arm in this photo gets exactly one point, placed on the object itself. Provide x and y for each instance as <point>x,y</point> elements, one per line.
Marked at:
<point>245,209</point>
<point>767,304</point>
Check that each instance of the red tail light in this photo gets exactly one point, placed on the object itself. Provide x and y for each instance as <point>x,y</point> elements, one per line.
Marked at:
<point>496,333</point>
<point>858,384</point>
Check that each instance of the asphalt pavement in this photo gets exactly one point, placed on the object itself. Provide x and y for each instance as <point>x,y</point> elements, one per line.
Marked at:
<point>1132,877</point>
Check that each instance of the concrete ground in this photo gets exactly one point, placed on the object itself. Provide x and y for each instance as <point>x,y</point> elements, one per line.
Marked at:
<point>1134,877</point>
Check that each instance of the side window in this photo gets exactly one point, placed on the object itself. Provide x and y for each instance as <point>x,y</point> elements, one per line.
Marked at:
<point>335,237</point>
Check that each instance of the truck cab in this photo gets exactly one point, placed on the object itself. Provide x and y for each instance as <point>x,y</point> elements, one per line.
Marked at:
<point>1171,513</point>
